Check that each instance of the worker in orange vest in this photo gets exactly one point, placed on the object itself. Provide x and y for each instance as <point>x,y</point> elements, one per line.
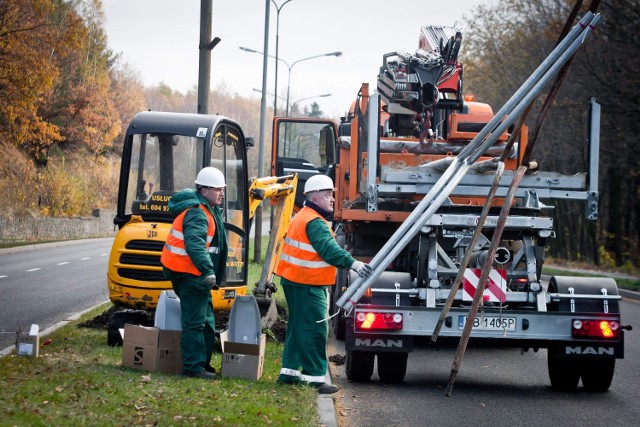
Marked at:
<point>308,265</point>
<point>194,259</point>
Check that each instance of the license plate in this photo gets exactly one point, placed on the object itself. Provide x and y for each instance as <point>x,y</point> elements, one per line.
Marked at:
<point>490,323</point>
<point>229,294</point>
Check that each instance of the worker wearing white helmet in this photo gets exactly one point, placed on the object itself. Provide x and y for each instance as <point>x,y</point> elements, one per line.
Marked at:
<point>194,259</point>
<point>308,265</point>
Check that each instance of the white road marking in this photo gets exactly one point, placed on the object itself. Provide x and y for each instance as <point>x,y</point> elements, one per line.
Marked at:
<point>2,277</point>
<point>85,258</point>
<point>63,263</point>
<point>34,269</point>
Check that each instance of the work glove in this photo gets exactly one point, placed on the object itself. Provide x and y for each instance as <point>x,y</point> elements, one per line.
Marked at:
<point>210,281</point>
<point>363,270</point>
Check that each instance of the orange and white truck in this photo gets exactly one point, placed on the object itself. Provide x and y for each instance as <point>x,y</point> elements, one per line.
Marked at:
<point>415,165</point>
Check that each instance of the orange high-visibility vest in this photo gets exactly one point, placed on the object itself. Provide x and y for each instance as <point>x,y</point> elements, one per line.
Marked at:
<point>174,256</point>
<point>299,262</point>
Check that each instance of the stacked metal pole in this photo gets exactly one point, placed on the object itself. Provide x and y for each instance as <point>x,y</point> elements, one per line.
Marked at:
<point>441,190</point>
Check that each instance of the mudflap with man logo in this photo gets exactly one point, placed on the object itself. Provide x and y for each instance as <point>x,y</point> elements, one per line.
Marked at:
<point>391,350</point>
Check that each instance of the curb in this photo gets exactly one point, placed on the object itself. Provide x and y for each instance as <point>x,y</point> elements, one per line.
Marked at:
<point>55,327</point>
<point>34,246</point>
<point>629,294</point>
<point>326,405</point>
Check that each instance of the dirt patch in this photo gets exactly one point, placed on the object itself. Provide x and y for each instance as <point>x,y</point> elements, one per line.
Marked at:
<point>277,331</point>
<point>101,321</point>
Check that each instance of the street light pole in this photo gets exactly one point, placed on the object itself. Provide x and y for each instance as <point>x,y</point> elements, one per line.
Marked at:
<point>278,9</point>
<point>263,108</point>
<point>300,60</point>
<point>246,49</point>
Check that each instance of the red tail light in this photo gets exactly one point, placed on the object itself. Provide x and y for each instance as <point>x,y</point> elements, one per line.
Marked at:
<point>595,328</point>
<point>372,321</point>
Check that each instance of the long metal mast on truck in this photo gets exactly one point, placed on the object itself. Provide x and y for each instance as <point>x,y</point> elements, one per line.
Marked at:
<point>504,118</point>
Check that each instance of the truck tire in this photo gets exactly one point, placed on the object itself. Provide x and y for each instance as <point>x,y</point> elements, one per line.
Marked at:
<point>564,372</point>
<point>359,365</point>
<point>597,374</point>
<point>392,367</point>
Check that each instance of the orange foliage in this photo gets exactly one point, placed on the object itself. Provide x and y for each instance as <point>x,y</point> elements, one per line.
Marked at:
<point>26,76</point>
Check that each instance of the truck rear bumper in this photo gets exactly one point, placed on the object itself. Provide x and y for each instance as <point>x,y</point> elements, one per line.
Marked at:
<point>526,329</point>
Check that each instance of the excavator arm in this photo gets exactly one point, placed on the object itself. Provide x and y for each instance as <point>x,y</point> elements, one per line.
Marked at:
<point>282,192</point>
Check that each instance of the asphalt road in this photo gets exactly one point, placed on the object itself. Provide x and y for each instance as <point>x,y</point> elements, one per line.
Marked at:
<point>494,387</point>
<point>46,284</point>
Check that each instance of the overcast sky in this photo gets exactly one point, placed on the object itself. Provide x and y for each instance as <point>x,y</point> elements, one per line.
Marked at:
<point>159,39</point>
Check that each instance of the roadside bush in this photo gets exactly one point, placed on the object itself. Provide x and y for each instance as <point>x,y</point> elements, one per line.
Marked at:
<point>70,185</point>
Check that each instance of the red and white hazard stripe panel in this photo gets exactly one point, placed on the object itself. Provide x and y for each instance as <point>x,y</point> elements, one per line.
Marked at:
<point>494,291</point>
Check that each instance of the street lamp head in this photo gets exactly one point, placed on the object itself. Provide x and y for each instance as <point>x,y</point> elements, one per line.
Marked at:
<point>246,49</point>
<point>334,54</point>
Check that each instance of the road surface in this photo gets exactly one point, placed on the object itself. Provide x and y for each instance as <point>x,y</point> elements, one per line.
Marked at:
<point>48,283</point>
<point>494,387</point>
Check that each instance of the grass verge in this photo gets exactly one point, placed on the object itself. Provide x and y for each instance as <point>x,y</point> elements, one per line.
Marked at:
<point>623,283</point>
<point>79,380</point>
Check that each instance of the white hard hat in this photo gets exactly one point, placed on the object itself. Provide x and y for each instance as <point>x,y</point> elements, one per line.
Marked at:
<point>210,177</point>
<point>318,183</point>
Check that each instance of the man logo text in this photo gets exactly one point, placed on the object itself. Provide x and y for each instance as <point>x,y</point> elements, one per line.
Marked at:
<point>378,343</point>
<point>596,351</point>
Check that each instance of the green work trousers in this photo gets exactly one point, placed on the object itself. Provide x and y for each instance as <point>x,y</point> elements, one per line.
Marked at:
<point>304,358</point>
<point>198,323</point>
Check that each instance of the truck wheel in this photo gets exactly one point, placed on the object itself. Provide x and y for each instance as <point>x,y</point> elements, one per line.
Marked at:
<point>597,374</point>
<point>392,367</point>
<point>564,373</point>
<point>359,365</point>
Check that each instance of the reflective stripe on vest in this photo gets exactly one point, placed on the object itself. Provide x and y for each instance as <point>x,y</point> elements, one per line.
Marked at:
<point>174,256</point>
<point>300,262</point>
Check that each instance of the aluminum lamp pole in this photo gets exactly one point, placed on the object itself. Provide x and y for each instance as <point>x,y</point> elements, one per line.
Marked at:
<point>300,60</point>
<point>289,67</point>
<point>263,108</point>
<point>275,89</point>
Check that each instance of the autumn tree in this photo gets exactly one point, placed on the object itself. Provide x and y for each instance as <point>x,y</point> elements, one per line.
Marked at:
<point>504,43</point>
<point>27,76</point>
<point>313,111</point>
<point>127,94</point>
<point>80,104</point>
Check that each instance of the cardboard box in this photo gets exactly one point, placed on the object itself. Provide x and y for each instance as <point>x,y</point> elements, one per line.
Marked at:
<point>242,360</point>
<point>151,349</point>
<point>28,344</point>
